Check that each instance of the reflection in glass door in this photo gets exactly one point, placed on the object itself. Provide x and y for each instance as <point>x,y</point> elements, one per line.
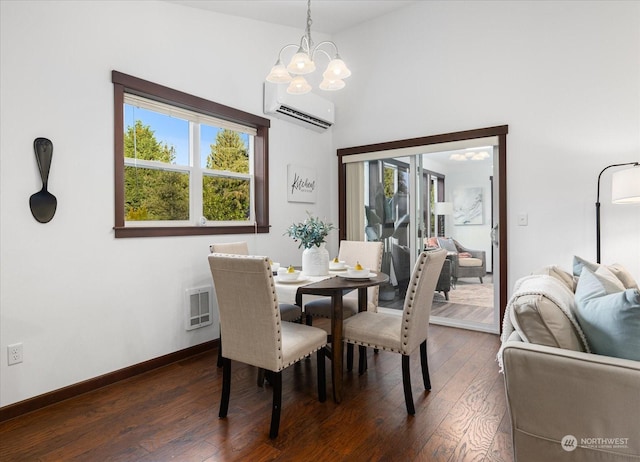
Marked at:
<point>386,205</point>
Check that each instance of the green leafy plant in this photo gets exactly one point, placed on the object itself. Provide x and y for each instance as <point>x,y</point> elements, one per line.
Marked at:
<point>312,231</point>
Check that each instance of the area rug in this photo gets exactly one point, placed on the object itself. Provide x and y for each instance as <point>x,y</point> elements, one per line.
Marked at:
<point>469,292</point>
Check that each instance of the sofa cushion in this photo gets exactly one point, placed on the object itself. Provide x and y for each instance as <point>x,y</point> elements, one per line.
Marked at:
<point>620,272</point>
<point>560,274</point>
<point>470,262</point>
<point>608,314</point>
<point>537,317</point>
<point>538,320</point>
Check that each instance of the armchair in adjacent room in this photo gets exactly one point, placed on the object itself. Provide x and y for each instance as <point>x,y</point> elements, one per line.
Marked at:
<point>465,263</point>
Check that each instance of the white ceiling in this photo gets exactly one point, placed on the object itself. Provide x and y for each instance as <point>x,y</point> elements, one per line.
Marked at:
<point>328,16</point>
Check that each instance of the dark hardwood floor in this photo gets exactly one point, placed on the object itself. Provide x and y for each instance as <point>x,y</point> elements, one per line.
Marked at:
<point>172,413</point>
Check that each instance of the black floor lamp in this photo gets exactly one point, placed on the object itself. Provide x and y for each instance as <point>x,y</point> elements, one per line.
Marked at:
<point>625,189</point>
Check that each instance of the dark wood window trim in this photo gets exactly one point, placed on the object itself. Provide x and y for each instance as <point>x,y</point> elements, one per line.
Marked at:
<point>499,131</point>
<point>123,83</point>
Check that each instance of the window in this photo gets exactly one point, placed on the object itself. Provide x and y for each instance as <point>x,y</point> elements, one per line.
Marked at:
<point>186,166</point>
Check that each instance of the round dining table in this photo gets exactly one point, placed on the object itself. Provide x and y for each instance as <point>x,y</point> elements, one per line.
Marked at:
<point>335,287</point>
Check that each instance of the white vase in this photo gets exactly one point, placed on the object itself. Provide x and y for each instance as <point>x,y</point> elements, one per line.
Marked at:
<point>315,261</point>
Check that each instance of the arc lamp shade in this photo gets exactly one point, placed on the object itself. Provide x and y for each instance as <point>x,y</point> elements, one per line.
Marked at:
<point>625,186</point>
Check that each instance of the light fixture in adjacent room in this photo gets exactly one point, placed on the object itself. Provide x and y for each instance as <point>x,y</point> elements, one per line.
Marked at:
<point>470,155</point>
<point>444,208</point>
<point>302,63</point>
<point>625,189</point>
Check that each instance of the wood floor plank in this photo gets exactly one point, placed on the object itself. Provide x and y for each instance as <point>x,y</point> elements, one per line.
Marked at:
<point>172,413</point>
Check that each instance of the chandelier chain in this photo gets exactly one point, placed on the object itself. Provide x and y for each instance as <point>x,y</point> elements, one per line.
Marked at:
<point>309,22</point>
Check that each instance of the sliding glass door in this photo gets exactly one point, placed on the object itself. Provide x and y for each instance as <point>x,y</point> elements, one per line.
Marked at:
<point>412,200</point>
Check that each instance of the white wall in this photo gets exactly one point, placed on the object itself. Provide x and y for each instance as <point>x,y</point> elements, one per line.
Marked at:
<point>82,302</point>
<point>565,77</point>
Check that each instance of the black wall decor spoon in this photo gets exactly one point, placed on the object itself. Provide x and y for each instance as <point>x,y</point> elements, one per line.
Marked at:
<point>43,204</point>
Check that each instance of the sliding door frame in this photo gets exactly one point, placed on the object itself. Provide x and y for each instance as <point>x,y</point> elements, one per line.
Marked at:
<point>499,131</point>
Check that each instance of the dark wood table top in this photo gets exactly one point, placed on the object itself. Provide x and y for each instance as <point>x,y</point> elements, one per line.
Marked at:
<point>330,285</point>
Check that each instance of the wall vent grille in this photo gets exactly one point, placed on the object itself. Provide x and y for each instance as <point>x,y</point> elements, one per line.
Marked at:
<point>199,307</point>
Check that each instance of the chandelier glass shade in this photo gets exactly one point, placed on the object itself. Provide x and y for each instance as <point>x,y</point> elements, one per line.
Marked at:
<point>302,63</point>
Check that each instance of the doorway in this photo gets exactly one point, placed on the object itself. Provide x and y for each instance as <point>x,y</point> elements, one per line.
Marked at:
<point>404,194</point>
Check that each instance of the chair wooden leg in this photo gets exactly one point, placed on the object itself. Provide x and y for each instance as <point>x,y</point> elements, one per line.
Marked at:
<point>322,376</point>
<point>261,374</point>
<point>226,387</point>
<point>362,359</point>
<point>277,404</point>
<point>349,357</point>
<point>425,366</point>
<point>480,280</point>
<point>406,382</point>
<point>220,351</point>
<point>308,319</point>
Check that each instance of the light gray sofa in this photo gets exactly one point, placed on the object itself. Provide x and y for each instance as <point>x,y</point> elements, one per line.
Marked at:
<point>565,403</point>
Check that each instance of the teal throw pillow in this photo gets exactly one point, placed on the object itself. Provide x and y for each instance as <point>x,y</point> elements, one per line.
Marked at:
<point>608,316</point>
<point>580,263</point>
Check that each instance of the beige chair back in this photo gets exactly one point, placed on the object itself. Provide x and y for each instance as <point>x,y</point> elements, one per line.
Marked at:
<point>369,254</point>
<point>419,297</point>
<point>249,313</point>
<point>235,248</point>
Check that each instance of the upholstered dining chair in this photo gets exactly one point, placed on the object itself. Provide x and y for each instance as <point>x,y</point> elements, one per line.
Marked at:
<point>252,330</point>
<point>401,334</point>
<point>288,312</point>
<point>369,254</point>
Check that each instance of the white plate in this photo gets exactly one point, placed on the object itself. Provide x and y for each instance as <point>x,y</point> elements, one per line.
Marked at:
<point>338,269</point>
<point>291,281</point>
<point>357,278</point>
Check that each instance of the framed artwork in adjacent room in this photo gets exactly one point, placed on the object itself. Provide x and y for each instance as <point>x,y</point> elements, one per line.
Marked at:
<point>467,206</point>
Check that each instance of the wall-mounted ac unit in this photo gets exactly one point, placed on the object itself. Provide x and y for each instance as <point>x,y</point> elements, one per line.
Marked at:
<point>309,110</point>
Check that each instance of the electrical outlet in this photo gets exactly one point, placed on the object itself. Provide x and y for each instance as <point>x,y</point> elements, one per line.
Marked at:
<point>14,353</point>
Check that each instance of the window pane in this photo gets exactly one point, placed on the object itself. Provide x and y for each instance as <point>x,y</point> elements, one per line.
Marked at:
<point>223,149</point>
<point>151,135</point>
<point>160,131</point>
<point>155,194</point>
<point>225,199</point>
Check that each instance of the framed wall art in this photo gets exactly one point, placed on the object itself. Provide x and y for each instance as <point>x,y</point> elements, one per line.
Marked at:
<point>301,184</point>
<point>467,206</point>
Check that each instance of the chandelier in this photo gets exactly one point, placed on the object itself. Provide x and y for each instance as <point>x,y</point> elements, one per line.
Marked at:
<point>302,63</point>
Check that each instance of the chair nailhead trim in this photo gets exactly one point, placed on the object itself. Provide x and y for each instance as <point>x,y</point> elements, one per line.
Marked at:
<point>301,357</point>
